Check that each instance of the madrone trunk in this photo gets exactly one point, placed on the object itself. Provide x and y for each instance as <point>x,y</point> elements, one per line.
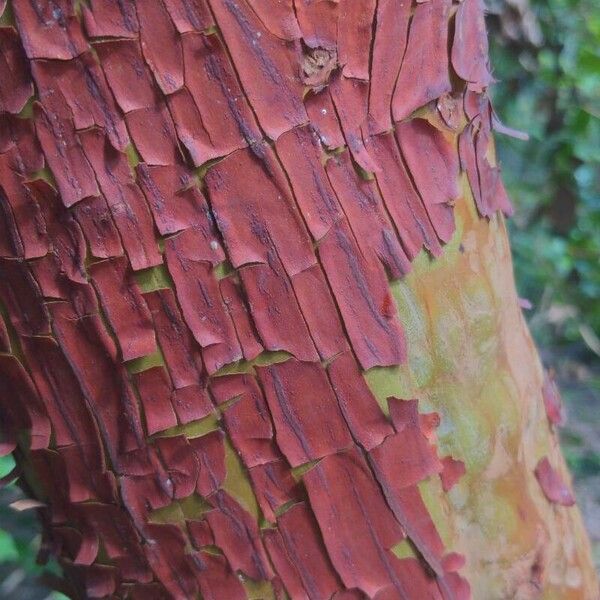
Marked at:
<point>260,336</point>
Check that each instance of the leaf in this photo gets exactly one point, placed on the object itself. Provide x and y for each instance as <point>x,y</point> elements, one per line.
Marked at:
<point>8,548</point>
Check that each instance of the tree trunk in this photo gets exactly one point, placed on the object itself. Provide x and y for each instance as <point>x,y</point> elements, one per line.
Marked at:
<point>259,334</point>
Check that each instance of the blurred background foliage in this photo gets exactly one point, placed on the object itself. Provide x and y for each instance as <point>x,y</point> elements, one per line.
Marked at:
<point>546,58</point>
<point>21,577</point>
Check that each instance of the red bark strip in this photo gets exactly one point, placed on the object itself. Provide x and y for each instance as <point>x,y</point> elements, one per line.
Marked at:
<point>365,418</point>
<point>297,552</point>
<point>161,45</point>
<point>468,163</point>
<point>49,29</point>
<point>125,200</point>
<point>81,550</point>
<point>451,472</point>
<point>124,306</point>
<point>470,44</point>
<point>282,329</point>
<point>95,220</point>
<point>318,22</point>
<point>416,581</point>
<point>307,418</point>
<point>279,18</point>
<point>189,15</point>
<point>200,533</point>
<point>450,109</point>
<point>106,18</point>
<point>237,534</point>
<point>119,538</point>
<point>211,114</point>
<point>20,134</point>
<point>399,469</point>
<point>22,217</point>
<point>203,308</point>
<point>424,73</point>
<point>552,484</point>
<point>323,118</point>
<point>142,494</point>
<point>405,415</point>
<point>153,134</point>
<point>247,420</point>
<point>216,579</point>
<point>363,297</point>
<point>21,296</point>
<point>402,200</point>
<point>265,65</point>
<point>552,400</point>
<point>191,403</point>
<point>319,312</point>
<point>83,86</point>
<point>72,422</point>
<point>350,97</point>
<point>155,391</point>
<point>405,458</point>
<point>52,483</point>
<point>487,175</point>
<point>247,336</point>
<point>432,160</point>
<point>141,591</point>
<point>177,203</point>
<point>17,86</point>
<point>182,356</point>
<point>391,33</point>
<point>11,245</point>
<point>5,345</point>
<point>256,213</point>
<point>56,133</point>
<point>484,179</point>
<point>95,581</point>
<point>301,154</point>
<point>93,358</point>
<point>127,75</point>
<point>87,479</point>
<point>367,215</point>
<point>167,558</point>
<point>355,27</point>
<point>492,188</point>
<point>353,594</point>
<point>476,104</point>
<point>273,487</point>
<point>410,511</point>
<point>434,166</point>
<point>22,409</point>
<point>210,450</point>
<point>356,524</point>
<point>66,241</point>
<point>181,462</point>
<point>54,284</point>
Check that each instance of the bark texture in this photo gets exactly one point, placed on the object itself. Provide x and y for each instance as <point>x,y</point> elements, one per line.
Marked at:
<point>259,333</point>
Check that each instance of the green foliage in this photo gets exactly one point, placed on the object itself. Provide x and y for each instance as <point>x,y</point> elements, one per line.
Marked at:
<point>546,58</point>
<point>8,547</point>
<point>19,545</point>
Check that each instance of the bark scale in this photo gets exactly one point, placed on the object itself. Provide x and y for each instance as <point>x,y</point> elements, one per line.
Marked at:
<point>259,335</point>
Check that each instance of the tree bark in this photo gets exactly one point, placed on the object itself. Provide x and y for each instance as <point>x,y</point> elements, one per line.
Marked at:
<point>259,335</point>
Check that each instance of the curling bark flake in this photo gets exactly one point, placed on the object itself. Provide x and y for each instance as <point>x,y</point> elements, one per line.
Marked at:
<point>232,236</point>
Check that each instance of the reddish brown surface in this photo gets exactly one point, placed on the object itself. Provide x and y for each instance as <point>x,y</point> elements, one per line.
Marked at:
<point>125,309</point>
<point>552,484</point>
<point>191,214</point>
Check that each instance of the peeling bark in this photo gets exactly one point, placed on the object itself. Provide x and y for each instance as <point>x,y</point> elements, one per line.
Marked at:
<point>258,331</point>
